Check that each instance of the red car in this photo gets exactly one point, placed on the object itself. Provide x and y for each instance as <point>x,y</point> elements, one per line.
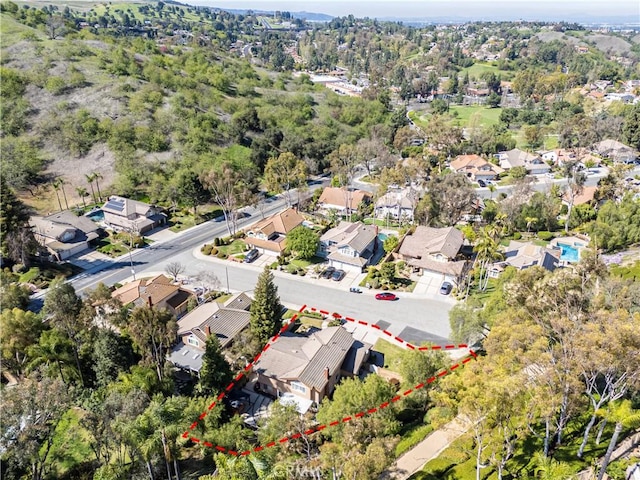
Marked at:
<point>386,296</point>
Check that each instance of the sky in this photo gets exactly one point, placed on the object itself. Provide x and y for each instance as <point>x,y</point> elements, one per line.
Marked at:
<point>425,8</point>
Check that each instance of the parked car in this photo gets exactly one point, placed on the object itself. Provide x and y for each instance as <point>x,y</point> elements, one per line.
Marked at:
<point>446,288</point>
<point>386,296</point>
<point>328,272</point>
<point>355,290</point>
<point>338,275</point>
<point>482,183</point>
<point>251,255</point>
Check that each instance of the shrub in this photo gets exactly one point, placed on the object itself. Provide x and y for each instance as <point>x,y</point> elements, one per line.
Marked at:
<point>221,255</point>
<point>375,283</point>
<point>214,251</point>
<point>336,322</point>
<point>544,235</point>
<point>273,266</point>
<point>302,273</point>
<point>216,242</point>
<point>517,236</point>
<point>206,249</point>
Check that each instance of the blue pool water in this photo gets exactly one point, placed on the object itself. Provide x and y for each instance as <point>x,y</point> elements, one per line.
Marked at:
<point>382,237</point>
<point>96,216</point>
<point>569,253</point>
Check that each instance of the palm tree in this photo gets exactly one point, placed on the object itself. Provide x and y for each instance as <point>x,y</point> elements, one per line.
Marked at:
<point>60,183</point>
<point>549,469</point>
<point>624,416</point>
<point>530,221</point>
<point>96,177</point>
<point>56,185</point>
<point>492,189</point>
<point>82,192</point>
<point>53,349</point>
<point>487,252</point>
<point>90,178</point>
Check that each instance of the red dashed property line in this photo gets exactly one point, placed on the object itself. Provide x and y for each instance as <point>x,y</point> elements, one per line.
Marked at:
<point>472,355</point>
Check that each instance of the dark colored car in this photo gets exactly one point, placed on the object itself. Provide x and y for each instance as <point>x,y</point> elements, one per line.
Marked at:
<point>251,255</point>
<point>445,289</point>
<point>386,296</point>
<point>482,183</point>
<point>328,272</point>
<point>338,275</point>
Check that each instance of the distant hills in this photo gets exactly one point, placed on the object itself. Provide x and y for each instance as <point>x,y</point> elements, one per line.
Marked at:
<point>308,16</point>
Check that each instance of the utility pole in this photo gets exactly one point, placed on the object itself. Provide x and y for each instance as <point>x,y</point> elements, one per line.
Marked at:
<point>226,270</point>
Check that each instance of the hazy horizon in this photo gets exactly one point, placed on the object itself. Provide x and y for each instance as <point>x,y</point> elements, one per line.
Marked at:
<point>514,9</point>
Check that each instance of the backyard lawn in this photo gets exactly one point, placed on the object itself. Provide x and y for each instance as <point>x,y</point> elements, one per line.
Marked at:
<point>392,354</point>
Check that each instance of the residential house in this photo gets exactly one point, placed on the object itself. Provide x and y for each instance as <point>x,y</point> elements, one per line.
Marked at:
<point>349,246</point>
<point>271,233</point>
<point>156,292</point>
<point>398,204</point>
<point>522,255</point>
<point>616,151</point>
<point>586,195</point>
<point>132,215</point>
<point>309,367</point>
<point>434,251</point>
<point>225,321</point>
<point>475,167</point>
<point>519,158</point>
<point>342,200</point>
<point>64,234</point>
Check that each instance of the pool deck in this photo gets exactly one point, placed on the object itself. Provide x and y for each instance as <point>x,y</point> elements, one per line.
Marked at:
<point>575,242</point>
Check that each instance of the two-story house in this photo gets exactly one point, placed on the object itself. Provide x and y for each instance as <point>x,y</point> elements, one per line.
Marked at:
<point>475,167</point>
<point>225,321</point>
<point>398,204</point>
<point>132,215</point>
<point>64,234</point>
<point>519,158</point>
<point>349,246</point>
<point>342,200</point>
<point>156,292</point>
<point>270,234</point>
<point>309,367</point>
<point>434,251</point>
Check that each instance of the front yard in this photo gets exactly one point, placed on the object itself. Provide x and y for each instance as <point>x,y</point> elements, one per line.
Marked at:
<point>389,276</point>
<point>117,244</point>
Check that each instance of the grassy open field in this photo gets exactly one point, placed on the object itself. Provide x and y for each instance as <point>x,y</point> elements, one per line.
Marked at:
<point>477,69</point>
<point>464,114</point>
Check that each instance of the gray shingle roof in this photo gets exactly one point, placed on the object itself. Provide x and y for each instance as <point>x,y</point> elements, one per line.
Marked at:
<point>426,241</point>
<point>295,357</point>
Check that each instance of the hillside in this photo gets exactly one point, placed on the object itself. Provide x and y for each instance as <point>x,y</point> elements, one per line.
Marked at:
<point>137,110</point>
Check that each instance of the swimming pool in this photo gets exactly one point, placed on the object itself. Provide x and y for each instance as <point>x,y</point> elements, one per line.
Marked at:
<point>382,237</point>
<point>96,215</point>
<point>569,253</point>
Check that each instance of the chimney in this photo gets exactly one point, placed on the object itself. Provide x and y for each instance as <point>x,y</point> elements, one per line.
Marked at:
<point>149,301</point>
<point>326,373</point>
<point>207,330</point>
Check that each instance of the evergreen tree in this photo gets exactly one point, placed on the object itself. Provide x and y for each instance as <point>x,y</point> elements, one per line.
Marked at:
<point>216,373</point>
<point>266,311</point>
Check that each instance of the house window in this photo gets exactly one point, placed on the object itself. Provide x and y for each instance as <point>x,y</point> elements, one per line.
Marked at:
<point>193,341</point>
<point>298,387</point>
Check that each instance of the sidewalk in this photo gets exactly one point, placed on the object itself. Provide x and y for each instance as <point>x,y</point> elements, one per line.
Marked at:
<point>427,450</point>
<point>350,280</point>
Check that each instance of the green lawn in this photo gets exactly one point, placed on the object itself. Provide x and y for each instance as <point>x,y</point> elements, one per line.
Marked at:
<point>392,354</point>
<point>305,263</point>
<point>411,437</point>
<point>485,116</point>
<point>477,69</point>
<point>235,247</point>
